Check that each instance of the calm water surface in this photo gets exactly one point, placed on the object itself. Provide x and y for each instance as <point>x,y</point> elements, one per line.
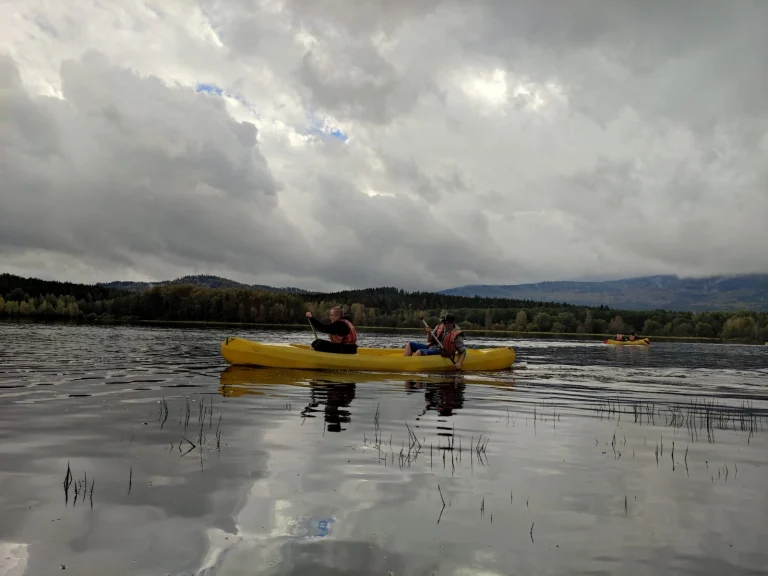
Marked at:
<point>584,459</point>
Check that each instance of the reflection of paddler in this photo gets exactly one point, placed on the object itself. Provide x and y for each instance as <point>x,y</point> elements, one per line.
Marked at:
<point>335,391</point>
<point>443,397</point>
<point>335,397</point>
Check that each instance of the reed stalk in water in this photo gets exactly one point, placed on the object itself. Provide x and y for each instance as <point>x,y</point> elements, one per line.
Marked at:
<point>673,456</point>
<point>192,444</point>
<point>67,484</point>
<point>187,414</point>
<point>443,500</point>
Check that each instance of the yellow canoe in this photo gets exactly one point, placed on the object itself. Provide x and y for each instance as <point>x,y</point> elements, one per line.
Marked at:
<point>638,342</point>
<point>240,352</point>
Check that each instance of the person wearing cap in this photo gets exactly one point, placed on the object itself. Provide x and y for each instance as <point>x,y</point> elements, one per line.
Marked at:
<point>448,334</point>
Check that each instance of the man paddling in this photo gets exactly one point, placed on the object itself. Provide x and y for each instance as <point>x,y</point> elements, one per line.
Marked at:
<point>342,333</point>
<point>450,338</point>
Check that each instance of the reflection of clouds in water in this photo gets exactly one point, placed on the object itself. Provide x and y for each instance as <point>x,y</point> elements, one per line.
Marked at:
<point>486,557</point>
<point>567,468</point>
<point>13,558</point>
<point>283,514</point>
<point>274,513</point>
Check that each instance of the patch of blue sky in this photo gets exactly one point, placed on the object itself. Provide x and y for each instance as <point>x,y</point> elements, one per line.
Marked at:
<point>214,90</point>
<point>322,127</point>
<point>209,89</point>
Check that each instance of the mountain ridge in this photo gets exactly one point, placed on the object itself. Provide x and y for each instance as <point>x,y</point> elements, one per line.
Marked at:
<point>669,292</point>
<point>724,292</point>
<point>200,280</point>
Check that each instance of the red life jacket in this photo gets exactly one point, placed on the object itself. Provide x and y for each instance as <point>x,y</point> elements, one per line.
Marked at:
<point>350,338</point>
<point>449,341</point>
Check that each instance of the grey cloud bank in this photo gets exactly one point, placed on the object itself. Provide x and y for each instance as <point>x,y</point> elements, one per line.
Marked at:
<point>490,142</point>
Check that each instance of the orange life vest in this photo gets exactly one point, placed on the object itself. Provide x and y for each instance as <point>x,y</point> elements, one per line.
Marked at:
<point>350,338</point>
<point>448,342</point>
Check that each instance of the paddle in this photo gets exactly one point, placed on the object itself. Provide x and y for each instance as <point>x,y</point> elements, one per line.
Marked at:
<point>435,337</point>
<point>311,326</point>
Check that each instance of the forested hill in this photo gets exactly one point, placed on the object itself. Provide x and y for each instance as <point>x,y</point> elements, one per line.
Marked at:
<point>201,281</point>
<point>747,292</point>
<point>35,287</point>
<point>379,307</point>
<point>389,298</point>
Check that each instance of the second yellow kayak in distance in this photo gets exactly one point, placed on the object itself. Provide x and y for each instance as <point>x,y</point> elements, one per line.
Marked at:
<point>638,342</point>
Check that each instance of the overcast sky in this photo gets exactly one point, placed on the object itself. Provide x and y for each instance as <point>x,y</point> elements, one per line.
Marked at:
<point>328,144</point>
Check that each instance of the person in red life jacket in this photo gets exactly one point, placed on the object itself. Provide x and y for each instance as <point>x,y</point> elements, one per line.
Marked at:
<point>342,334</point>
<point>449,335</point>
<point>619,337</point>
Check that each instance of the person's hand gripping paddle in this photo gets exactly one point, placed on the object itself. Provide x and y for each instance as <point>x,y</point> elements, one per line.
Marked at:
<point>309,315</point>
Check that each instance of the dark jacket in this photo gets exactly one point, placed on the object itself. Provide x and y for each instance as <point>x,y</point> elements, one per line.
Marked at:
<point>338,328</point>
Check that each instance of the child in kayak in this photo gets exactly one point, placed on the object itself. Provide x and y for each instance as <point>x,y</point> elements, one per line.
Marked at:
<point>450,337</point>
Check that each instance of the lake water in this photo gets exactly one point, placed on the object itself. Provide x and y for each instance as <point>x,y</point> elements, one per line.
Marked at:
<point>584,459</point>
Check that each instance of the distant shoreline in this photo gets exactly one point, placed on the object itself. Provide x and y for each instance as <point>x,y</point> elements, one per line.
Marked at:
<point>374,329</point>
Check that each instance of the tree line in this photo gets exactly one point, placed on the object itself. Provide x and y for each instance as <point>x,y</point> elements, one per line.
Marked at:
<point>379,307</point>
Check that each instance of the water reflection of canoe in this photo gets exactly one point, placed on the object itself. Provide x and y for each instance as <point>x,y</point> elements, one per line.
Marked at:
<point>639,342</point>
<point>241,380</point>
<point>239,375</point>
<point>241,352</point>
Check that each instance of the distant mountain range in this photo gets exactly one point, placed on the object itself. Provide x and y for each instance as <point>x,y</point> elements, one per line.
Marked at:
<point>201,280</point>
<point>724,293</point>
<point>747,292</point>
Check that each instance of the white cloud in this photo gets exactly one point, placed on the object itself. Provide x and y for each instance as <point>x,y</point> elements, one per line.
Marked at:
<point>424,145</point>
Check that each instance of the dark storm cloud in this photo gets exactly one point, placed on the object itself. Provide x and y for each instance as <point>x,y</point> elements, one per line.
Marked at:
<point>124,166</point>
